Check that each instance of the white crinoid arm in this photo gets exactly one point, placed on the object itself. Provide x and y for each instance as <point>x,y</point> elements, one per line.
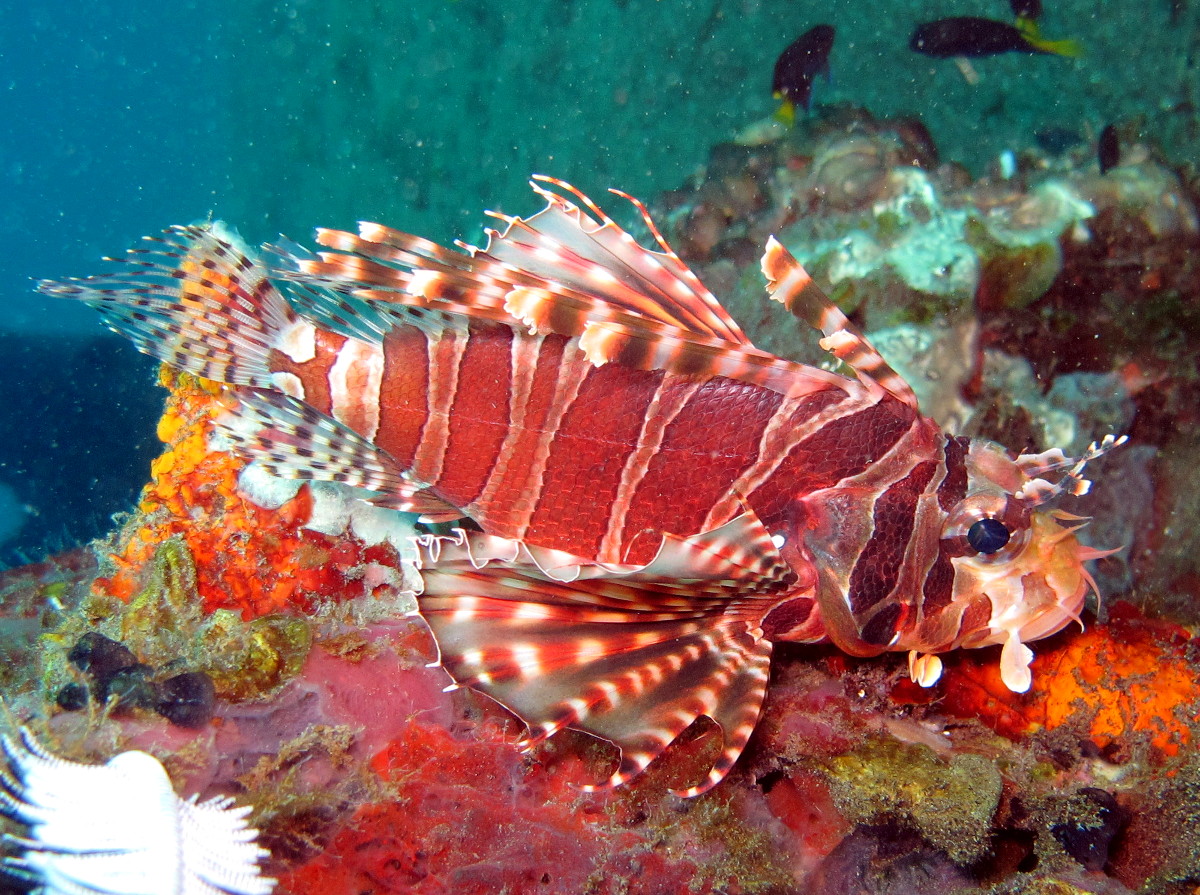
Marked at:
<point>120,829</point>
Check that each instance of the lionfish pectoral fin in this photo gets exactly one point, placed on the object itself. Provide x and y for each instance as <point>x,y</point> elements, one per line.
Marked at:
<point>790,284</point>
<point>740,551</point>
<point>631,661</point>
<point>292,439</point>
<point>642,733</point>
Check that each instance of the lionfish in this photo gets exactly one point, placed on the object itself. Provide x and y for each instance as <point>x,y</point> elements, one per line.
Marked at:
<point>649,502</point>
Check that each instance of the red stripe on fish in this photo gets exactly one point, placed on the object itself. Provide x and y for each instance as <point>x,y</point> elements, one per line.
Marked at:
<point>658,500</point>
<point>674,393</point>
<point>729,441</point>
<point>480,416</point>
<point>591,443</point>
<point>403,411</point>
<point>837,450</point>
<point>880,565</point>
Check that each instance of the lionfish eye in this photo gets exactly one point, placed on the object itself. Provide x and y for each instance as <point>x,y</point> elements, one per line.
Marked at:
<point>987,535</point>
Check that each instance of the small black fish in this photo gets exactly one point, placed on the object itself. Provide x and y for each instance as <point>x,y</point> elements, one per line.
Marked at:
<point>974,36</point>
<point>1108,152</point>
<point>804,59</point>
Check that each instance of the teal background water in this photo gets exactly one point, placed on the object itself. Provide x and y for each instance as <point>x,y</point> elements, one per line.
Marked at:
<point>121,118</point>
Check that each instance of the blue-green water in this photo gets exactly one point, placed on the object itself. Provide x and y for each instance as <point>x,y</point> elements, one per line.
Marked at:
<point>123,118</point>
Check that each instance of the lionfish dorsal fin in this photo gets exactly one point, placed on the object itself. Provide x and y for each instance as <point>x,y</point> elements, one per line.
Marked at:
<point>686,354</point>
<point>552,272</point>
<point>583,249</point>
<point>569,270</point>
<point>790,285</point>
<point>555,271</point>
<point>389,268</point>
<point>618,653</point>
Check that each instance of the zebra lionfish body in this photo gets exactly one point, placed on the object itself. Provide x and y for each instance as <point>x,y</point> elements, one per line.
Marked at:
<point>658,500</point>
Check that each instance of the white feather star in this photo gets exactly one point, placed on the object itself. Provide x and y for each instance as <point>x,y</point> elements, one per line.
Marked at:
<point>119,829</point>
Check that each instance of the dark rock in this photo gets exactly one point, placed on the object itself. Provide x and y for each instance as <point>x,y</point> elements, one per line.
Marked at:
<point>72,697</point>
<point>187,699</point>
<point>1089,843</point>
<point>132,687</point>
<point>100,656</point>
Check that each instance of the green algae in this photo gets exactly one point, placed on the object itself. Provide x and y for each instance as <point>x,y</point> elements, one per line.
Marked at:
<point>164,626</point>
<point>951,802</point>
<point>252,659</point>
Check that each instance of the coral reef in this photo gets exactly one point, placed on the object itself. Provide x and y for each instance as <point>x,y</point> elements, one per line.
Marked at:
<point>250,557</point>
<point>1128,682</point>
<point>1047,308</point>
<point>1044,308</point>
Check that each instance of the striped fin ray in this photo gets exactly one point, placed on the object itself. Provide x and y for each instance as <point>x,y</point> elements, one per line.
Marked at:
<point>194,299</point>
<point>358,317</point>
<point>597,258</point>
<point>631,654</point>
<point>790,285</point>
<point>637,677</point>
<point>488,595</point>
<point>292,439</point>
<point>492,292</point>
<point>370,266</point>
<point>367,315</point>
<point>484,289</point>
<point>388,265</point>
<point>693,573</point>
<point>593,268</point>
<point>674,352</point>
<point>339,313</point>
<point>740,553</point>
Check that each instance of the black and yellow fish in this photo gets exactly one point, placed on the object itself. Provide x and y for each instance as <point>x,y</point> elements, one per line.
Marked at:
<point>974,36</point>
<point>805,58</point>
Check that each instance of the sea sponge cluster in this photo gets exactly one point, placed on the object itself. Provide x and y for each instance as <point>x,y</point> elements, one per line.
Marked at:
<point>1126,682</point>
<point>248,558</point>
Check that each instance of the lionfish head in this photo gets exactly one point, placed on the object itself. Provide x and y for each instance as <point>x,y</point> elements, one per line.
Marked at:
<point>1019,571</point>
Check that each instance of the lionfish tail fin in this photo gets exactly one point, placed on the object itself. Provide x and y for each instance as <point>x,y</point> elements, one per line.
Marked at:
<point>195,299</point>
